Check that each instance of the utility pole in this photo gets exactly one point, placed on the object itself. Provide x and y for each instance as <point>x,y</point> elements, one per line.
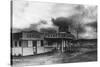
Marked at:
<point>78,28</point>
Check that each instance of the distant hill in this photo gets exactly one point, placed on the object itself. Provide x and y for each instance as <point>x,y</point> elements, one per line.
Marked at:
<point>91,40</point>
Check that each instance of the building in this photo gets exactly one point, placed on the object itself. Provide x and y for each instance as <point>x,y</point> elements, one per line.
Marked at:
<point>32,42</point>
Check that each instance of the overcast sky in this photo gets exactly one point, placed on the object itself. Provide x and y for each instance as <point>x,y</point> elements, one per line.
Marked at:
<point>31,12</point>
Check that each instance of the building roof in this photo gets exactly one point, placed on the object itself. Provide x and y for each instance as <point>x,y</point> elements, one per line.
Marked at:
<point>35,35</point>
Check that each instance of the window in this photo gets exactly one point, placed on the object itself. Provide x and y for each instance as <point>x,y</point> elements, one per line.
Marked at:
<point>12,43</point>
<point>53,35</point>
<point>15,43</point>
<point>25,43</point>
<point>42,43</point>
<point>19,43</point>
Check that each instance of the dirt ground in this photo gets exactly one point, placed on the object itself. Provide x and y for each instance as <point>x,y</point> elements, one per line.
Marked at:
<point>83,55</point>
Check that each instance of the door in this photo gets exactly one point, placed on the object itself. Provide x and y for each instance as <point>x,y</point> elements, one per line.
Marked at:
<point>35,47</point>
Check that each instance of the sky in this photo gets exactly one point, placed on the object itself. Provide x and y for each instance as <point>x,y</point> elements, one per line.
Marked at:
<point>26,13</point>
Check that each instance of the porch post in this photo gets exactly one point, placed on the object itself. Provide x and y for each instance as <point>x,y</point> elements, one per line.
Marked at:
<point>62,45</point>
<point>66,45</point>
<point>56,45</point>
<point>22,46</point>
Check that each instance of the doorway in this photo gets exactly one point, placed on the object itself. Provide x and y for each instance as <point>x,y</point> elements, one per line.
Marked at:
<point>34,46</point>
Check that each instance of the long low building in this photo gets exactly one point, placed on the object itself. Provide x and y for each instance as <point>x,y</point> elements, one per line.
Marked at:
<point>32,42</point>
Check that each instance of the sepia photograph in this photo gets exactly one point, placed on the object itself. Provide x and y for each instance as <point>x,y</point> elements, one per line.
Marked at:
<point>44,33</point>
